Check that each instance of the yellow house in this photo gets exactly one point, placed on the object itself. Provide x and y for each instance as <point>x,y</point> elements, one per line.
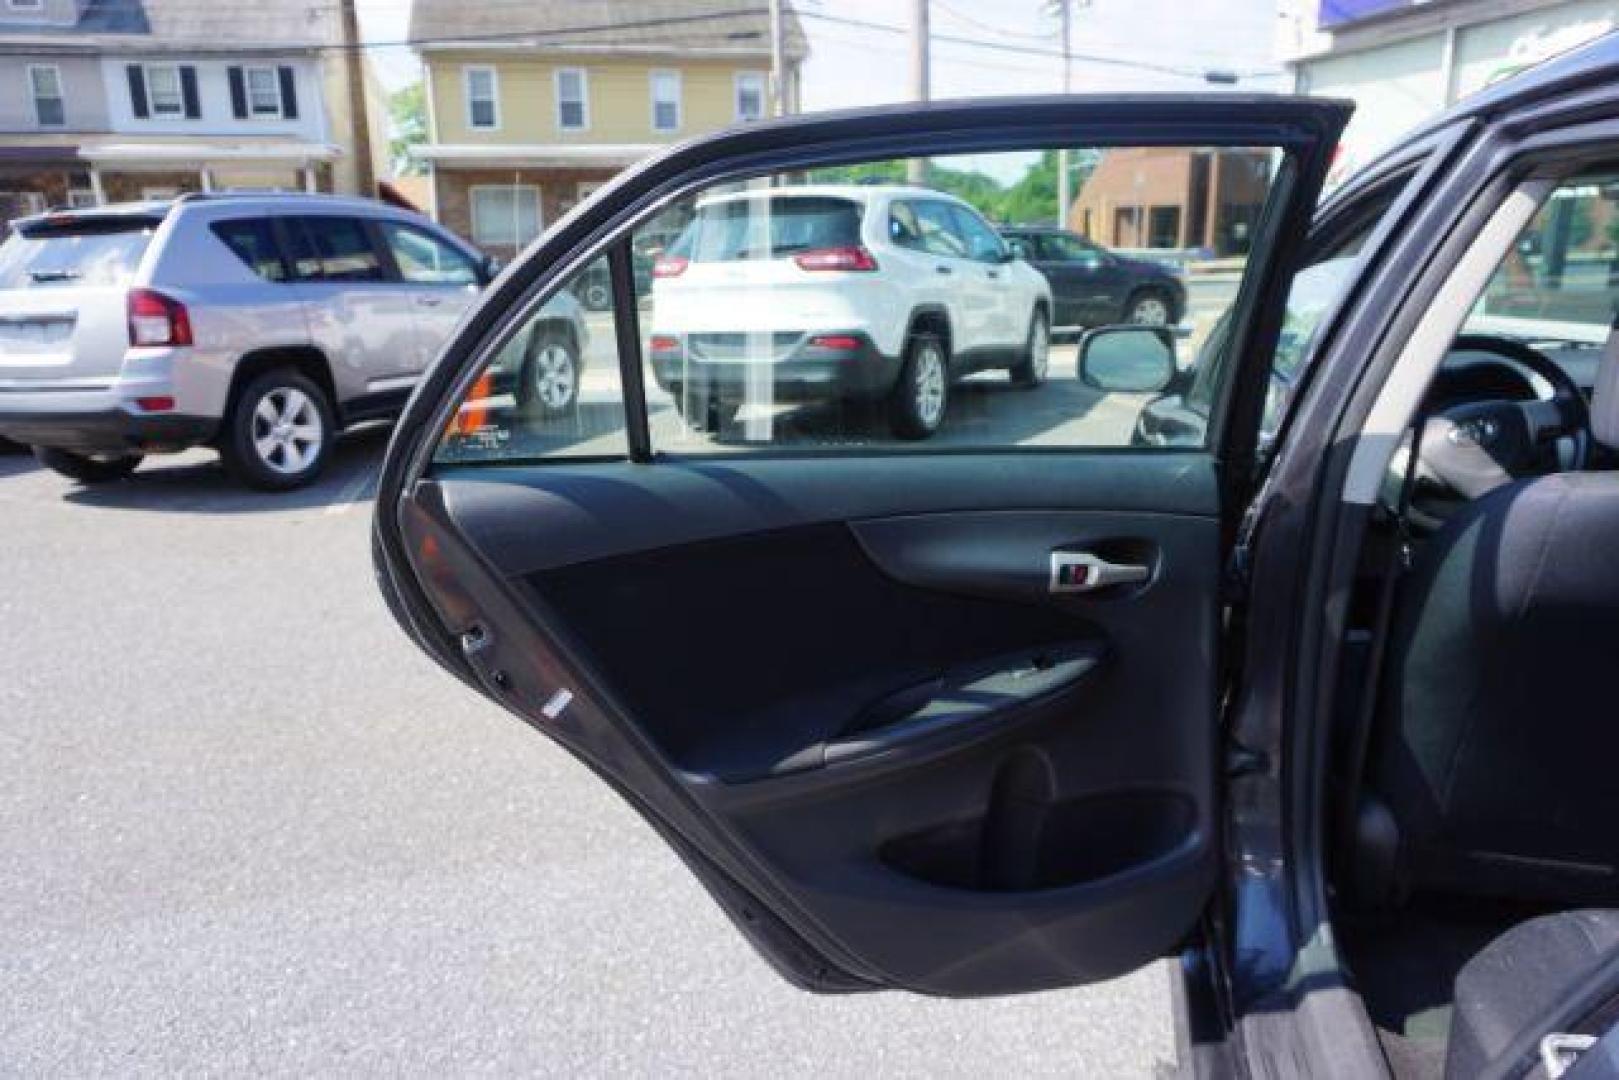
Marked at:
<point>533,106</point>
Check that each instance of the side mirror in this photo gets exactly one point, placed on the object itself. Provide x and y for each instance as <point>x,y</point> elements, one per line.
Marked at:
<point>1012,252</point>
<point>1127,359</point>
<point>491,268</point>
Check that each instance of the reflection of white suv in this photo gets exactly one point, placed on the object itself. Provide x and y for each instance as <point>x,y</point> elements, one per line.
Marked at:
<point>816,292</point>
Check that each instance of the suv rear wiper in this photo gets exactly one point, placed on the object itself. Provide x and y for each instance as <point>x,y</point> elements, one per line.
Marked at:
<point>42,276</point>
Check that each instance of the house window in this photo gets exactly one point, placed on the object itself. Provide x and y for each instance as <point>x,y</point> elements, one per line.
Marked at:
<point>750,95</point>
<point>81,197</point>
<point>263,91</point>
<point>666,101</point>
<point>505,215</point>
<point>163,92</point>
<point>45,80</point>
<point>482,88</point>
<point>573,91</point>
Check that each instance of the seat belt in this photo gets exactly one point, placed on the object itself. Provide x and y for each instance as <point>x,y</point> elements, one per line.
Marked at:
<point>1395,565</point>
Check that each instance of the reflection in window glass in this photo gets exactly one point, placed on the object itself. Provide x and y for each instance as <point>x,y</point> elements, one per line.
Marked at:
<point>846,309</point>
<point>849,309</point>
<point>1559,279</point>
<point>552,390</point>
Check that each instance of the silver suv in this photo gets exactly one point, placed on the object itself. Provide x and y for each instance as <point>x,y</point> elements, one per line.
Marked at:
<point>259,324</point>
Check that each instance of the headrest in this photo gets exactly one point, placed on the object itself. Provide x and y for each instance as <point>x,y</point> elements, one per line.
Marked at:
<point>1605,395</point>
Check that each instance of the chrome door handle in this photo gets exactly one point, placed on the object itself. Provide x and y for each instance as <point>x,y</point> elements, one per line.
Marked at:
<point>429,301</point>
<point>1080,571</point>
<point>944,269</point>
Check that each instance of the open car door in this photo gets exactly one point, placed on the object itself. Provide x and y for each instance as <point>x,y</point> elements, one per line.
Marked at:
<point>939,715</point>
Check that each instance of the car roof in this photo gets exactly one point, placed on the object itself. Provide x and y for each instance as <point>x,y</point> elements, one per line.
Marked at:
<point>264,201</point>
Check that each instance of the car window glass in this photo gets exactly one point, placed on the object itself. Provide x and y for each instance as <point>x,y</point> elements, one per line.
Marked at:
<point>91,253</point>
<point>425,259</point>
<point>1560,281</point>
<point>729,229</point>
<point>1060,247</point>
<point>1315,290</point>
<point>983,245</point>
<point>253,241</point>
<point>330,248</point>
<point>937,230</point>
<point>552,388</point>
<point>832,310</point>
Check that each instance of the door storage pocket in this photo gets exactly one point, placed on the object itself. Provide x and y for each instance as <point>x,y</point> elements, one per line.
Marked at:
<point>1025,841</point>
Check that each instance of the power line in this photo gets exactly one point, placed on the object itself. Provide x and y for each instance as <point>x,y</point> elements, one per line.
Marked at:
<point>539,35</point>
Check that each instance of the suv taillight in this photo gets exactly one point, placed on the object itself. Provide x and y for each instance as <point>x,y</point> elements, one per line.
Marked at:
<point>670,265</point>
<point>155,319</point>
<point>851,257</point>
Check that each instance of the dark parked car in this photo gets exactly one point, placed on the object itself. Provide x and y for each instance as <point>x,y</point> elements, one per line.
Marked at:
<point>1096,287</point>
<point>1325,715</point>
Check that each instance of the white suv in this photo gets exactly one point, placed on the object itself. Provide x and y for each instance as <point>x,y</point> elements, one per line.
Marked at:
<point>842,291</point>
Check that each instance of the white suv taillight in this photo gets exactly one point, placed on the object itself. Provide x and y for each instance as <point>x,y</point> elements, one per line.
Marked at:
<point>852,257</point>
<point>155,319</point>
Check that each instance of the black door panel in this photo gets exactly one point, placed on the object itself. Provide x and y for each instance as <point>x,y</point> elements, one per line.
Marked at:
<point>893,715</point>
<point>851,688</point>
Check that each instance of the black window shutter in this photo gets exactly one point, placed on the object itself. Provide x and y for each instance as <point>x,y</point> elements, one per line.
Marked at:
<point>289,93</point>
<point>188,90</point>
<point>137,91</point>
<point>238,93</point>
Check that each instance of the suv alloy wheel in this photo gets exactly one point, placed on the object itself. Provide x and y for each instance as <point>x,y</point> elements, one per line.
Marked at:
<point>279,433</point>
<point>923,391</point>
<point>1036,363</point>
<point>1148,308</point>
<point>549,384</point>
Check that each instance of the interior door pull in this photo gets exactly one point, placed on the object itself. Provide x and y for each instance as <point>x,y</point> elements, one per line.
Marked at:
<point>1080,571</point>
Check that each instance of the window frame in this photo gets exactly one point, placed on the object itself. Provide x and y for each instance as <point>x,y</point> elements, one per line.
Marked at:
<point>583,76</point>
<point>468,71</point>
<point>473,192</point>
<point>156,113</point>
<point>1301,163</point>
<point>253,113</point>
<point>737,81</point>
<point>55,70</point>
<point>671,75</point>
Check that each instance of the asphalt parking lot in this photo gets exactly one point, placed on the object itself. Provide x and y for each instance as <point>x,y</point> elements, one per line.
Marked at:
<point>245,826</point>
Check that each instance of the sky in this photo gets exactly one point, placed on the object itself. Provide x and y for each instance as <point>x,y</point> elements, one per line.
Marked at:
<point>863,65</point>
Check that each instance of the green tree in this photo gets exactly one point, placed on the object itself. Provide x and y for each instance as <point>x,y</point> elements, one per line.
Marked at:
<point>407,117</point>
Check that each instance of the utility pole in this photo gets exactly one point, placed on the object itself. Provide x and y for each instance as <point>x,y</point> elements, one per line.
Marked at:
<point>365,179</point>
<point>916,169</point>
<point>778,69</point>
<point>1063,194</point>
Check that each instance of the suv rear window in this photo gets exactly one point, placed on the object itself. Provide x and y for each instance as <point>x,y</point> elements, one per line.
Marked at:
<point>253,241</point>
<point>86,252</point>
<point>772,228</point>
